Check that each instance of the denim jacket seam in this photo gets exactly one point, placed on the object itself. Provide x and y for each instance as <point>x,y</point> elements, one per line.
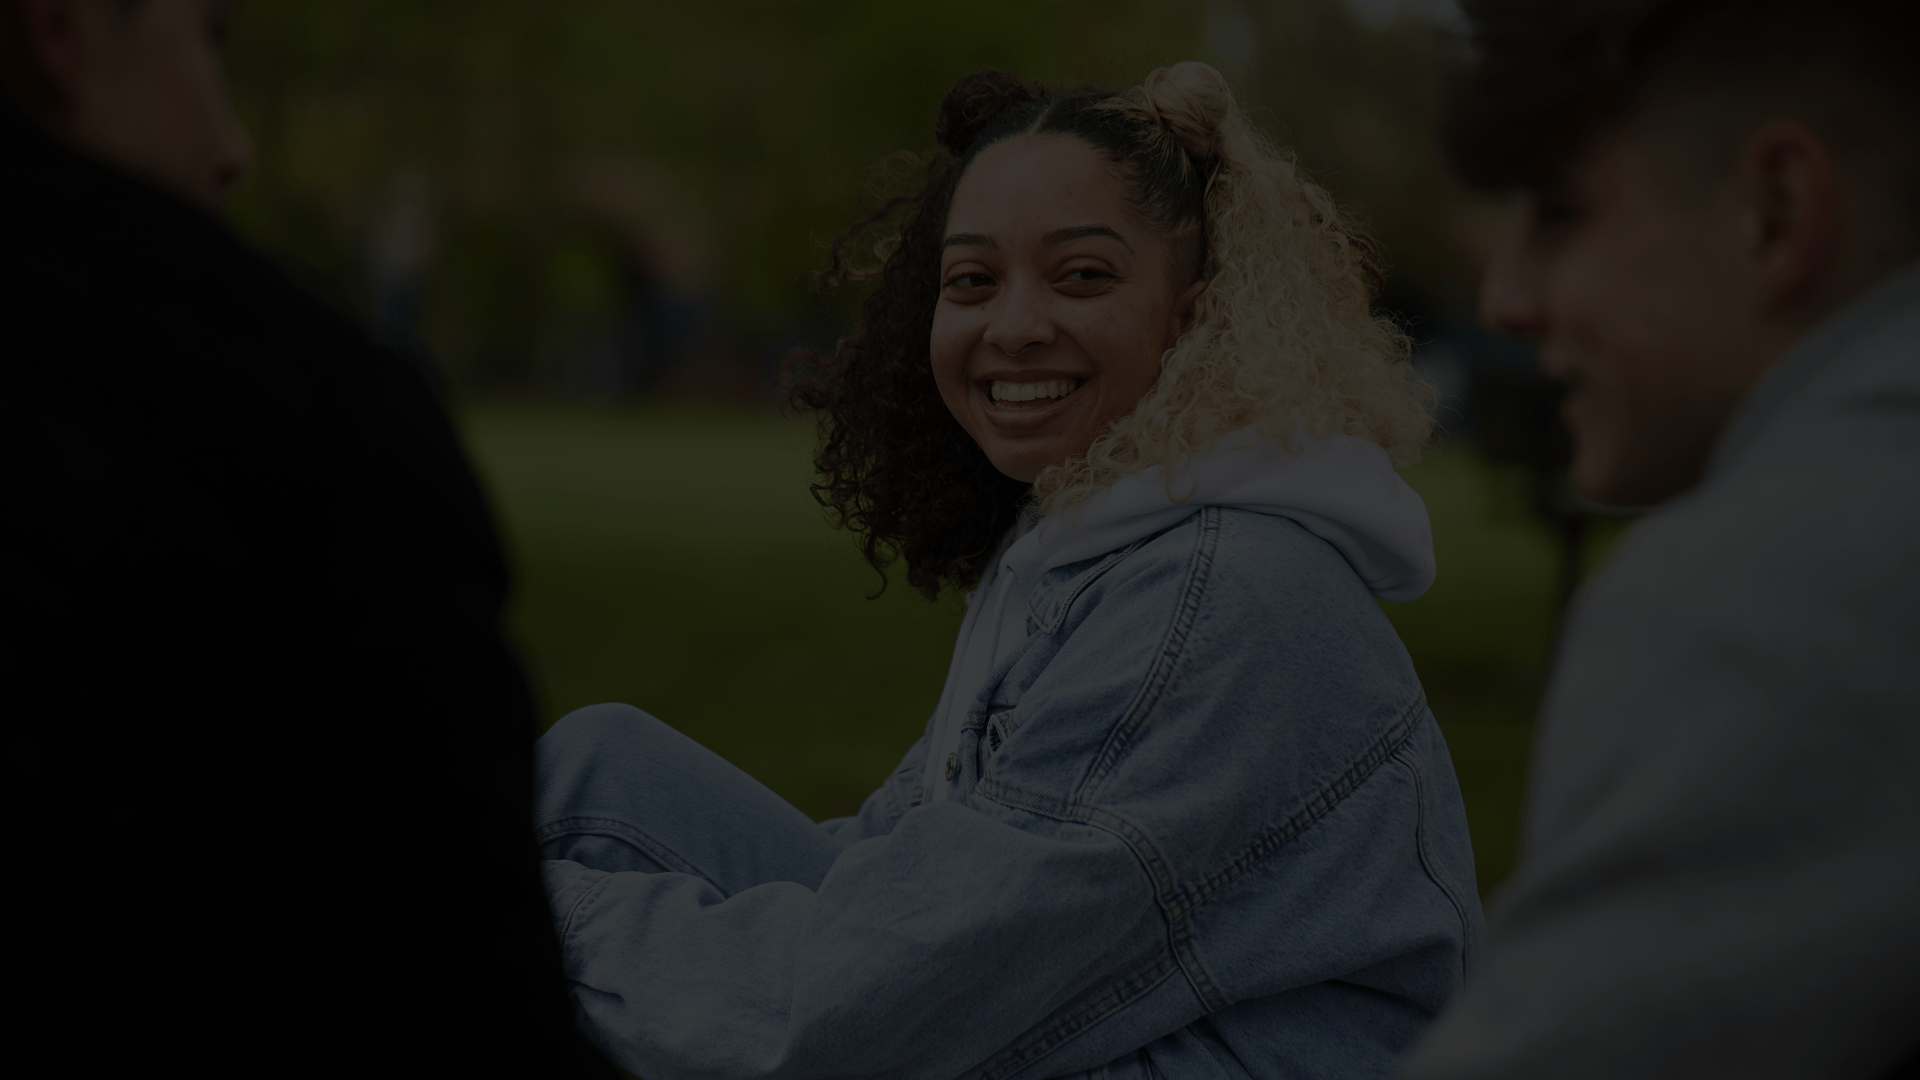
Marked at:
<point>627,832</point>
<point>1172,649</point>
<point>1068,1028</point>
<point>591,894</point>
<point>1078,585</point>
<point>1431,864</point>
<point>904,782</point>
<point>890,799</point>
<point>1159,874</point>
<point>1317,807</point>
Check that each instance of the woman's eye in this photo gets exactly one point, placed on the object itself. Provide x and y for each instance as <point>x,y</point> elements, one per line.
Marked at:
<point>1086,273</point>
<point>968,281</point>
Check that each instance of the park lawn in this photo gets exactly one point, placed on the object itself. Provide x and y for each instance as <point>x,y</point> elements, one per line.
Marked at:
<point>671,558</point>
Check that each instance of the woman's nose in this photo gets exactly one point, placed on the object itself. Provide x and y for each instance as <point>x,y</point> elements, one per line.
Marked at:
<point>1020,319</point>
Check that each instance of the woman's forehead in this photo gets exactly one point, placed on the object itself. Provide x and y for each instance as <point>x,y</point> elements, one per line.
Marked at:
<point>1030,186</point>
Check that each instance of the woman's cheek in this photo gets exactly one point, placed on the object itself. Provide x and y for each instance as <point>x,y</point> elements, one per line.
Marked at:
<point>940,351</point>
<point>949,372</point>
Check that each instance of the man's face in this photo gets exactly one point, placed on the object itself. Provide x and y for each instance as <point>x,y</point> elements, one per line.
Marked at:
<point>1632,281</point>
<point>141,86</point>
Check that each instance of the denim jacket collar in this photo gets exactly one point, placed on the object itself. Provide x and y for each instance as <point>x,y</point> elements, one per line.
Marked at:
<point>1054,593</point>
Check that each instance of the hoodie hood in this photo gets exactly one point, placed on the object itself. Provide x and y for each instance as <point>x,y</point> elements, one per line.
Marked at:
<point>1341,488</point>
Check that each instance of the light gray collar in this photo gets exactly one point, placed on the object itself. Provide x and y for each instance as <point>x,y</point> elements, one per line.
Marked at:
<point>1823,350</point>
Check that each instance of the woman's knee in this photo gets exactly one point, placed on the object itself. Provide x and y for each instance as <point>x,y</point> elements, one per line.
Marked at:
<point>594,721</point>
<point>589,741</point>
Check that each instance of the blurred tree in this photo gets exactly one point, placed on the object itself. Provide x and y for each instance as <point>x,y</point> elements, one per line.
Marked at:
<point>1356,99</point>
<point>575,164</point>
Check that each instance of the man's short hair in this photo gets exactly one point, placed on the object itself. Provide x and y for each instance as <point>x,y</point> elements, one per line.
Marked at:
<point>1549,75</point>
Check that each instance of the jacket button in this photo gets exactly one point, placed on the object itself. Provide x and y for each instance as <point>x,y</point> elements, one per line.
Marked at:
<point>953,767</point>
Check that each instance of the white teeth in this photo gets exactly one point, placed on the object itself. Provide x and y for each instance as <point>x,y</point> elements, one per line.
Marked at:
<point>1029,391</point>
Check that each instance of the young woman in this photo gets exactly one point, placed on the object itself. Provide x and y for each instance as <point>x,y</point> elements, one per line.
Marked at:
<point>1182,810</point>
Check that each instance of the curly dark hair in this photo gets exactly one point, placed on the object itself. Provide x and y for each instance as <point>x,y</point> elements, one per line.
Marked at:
<point>895,465</point>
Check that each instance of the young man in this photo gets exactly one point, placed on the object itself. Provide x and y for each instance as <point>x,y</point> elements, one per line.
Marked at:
<point>1718,255</point>
<point>267,737</point>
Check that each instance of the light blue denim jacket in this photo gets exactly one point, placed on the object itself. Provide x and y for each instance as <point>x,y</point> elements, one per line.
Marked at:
<point>1203,825</point>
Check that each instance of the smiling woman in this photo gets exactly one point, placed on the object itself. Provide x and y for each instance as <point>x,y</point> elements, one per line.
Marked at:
<point>1181,810</point>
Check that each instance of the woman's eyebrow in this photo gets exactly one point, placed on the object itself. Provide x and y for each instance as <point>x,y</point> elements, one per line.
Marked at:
<point>968,240</point>
<point>1081,232</point>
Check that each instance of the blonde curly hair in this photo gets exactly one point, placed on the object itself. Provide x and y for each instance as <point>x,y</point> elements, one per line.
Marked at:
<point>1285,326</point>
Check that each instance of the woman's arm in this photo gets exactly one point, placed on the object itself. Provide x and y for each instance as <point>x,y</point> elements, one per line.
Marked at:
<point>922,954</point>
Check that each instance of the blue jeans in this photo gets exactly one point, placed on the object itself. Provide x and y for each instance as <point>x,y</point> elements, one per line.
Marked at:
<point>617,790</point>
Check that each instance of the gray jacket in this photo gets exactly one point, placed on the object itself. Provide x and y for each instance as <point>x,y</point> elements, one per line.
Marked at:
<point>1722,866</point>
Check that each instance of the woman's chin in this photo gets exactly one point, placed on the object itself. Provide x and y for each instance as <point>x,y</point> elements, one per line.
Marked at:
<point>1022,438</point>
<point>1024,459</point>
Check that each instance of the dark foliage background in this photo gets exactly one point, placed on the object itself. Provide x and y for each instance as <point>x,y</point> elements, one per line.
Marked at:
<point>623,197</point>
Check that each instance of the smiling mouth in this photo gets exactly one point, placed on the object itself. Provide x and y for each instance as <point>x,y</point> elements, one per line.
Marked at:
<point>1031,394</point>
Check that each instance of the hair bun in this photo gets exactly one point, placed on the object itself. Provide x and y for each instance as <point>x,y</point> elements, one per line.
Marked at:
<point>1191,101</point>
<point>973,103</point>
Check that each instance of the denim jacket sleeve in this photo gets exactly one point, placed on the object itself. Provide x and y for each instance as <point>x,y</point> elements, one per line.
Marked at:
<point>1208,778</point>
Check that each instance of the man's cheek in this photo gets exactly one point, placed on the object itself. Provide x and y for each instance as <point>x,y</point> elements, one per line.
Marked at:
<point>1586,418</point>
<point>1602,433</point>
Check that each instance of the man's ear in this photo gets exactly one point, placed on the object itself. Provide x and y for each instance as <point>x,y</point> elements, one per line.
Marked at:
<point>1183,312</point>
<point>1790,187</point>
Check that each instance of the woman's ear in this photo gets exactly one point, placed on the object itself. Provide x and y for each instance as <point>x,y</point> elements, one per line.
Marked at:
<point>1183,305</point>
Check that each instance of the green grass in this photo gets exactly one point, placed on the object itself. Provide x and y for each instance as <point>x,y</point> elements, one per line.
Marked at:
<point>672,558</point>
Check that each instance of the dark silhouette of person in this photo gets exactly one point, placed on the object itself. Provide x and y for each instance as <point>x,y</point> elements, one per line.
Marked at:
<point>266,724</point>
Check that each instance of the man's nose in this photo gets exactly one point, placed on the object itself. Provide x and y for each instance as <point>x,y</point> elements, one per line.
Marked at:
<point>1021,318</point>
<point>1511,300</point>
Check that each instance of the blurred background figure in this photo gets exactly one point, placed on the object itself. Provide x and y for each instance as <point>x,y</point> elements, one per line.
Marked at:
<point>257,598</point>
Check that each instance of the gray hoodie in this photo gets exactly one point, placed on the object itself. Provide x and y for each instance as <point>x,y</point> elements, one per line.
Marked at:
<point>1722,865</point>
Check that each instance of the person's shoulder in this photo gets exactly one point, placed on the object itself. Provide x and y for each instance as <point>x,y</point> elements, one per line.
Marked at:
<point>1240,537</point>
<point>133,276</point>
<point>1771,606</point>
<point>161,369</point>
<point>1808,502</point>
<point>1280,558</point>
<point>1235,643</point>
<point>1230,557</point>
<point>164,317</point>
<point>1821,525</point>
<point>1251,583</point>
